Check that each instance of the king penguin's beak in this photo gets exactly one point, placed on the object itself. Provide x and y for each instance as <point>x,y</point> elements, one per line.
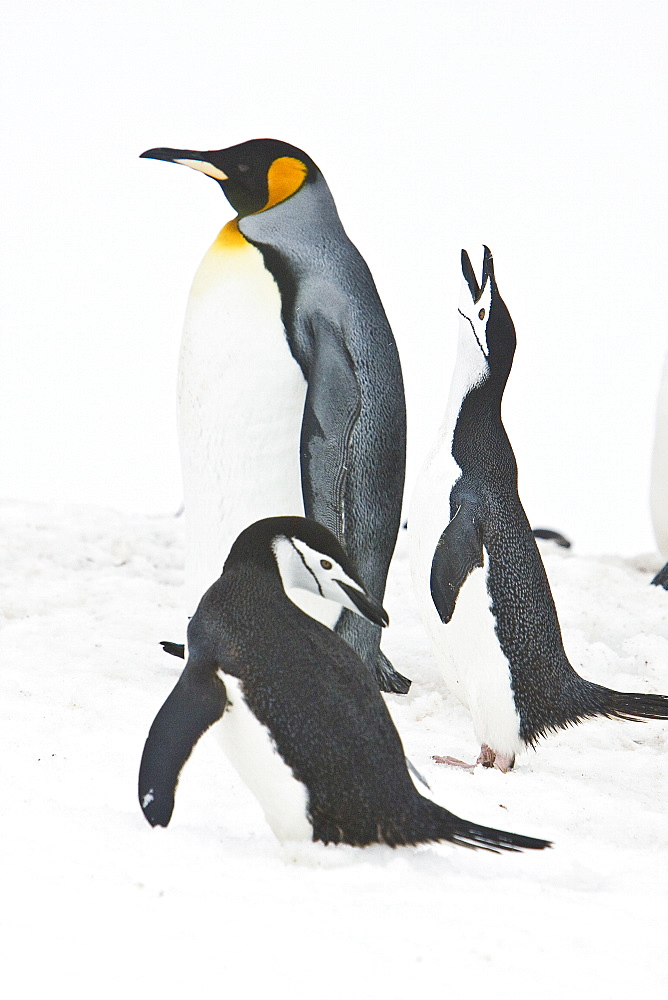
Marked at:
<point>170,154</point>
<point>189,158</point>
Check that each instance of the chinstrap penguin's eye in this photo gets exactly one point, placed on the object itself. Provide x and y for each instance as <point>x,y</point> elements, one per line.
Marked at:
<point>325,563</point>
<point>481,314</point>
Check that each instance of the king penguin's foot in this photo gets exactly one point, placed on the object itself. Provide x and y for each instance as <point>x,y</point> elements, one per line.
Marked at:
<point>388,678</point>
<point>661,578</point>
<point>487,757</point>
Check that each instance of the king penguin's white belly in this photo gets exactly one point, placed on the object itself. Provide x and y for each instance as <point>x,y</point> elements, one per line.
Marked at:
<point>252,753</point>
<point>240,407</point>
<point>468,651</point>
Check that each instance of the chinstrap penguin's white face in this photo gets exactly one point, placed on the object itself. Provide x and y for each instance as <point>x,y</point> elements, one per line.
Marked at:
<point>486,330</point>
<point>307,568</point>
<point>473,319</point>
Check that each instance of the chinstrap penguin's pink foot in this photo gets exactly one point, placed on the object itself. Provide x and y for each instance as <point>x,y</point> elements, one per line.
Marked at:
<point>501,761</point>
<point>487,757</point>
<point>453,762</point>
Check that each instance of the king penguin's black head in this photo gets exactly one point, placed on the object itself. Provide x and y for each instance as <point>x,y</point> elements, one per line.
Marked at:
<point>485,317</point>
<point>255,175</point>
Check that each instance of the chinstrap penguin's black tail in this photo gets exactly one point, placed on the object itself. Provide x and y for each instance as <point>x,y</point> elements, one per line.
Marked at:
<point>447,826</point>
<point>549,535</point>
<point>586,700</point>
<point>423,823</point>
<point>623,705</point>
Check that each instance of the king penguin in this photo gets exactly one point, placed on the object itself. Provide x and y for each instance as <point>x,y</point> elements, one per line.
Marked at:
<point>300,718</point>
<point>480,581</point>
<point>291,396</point>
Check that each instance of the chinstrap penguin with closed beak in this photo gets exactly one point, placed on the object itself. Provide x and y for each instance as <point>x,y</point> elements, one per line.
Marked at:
<point>481,585</point>
<point>291,396</point>
<point>300,717</point>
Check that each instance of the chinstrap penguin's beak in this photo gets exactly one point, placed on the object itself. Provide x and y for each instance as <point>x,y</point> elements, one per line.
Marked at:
<point>367,606</point>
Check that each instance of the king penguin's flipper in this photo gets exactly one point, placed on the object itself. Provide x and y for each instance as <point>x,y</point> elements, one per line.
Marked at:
<point>327,425</point>
<point>174,649</point>
<point>661,578</point>
<point>197,701</point>
<point>458,553</point>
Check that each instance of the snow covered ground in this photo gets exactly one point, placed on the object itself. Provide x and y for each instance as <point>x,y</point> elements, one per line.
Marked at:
<point>95,903</point>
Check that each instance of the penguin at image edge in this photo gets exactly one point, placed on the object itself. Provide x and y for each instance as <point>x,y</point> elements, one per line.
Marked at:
<point>291,396</point>
<point>482,589</point>
<point>300,719</point>
<point>659,479</point>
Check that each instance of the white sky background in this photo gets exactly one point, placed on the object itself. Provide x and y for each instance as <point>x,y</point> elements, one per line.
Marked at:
<point>538,128</point>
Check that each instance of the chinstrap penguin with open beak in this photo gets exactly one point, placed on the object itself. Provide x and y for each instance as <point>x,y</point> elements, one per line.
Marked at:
<point>482,589</point>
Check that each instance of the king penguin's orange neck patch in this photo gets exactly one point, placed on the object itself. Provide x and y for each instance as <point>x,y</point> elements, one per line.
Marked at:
<point>230,237</point>
<point>285,176</point>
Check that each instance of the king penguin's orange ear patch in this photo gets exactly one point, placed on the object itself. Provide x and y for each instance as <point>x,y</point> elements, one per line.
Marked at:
<point>285,176</point>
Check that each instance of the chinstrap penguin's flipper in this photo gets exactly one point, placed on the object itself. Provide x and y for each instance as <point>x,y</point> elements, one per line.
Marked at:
<point>458,553</point>
<point>174,649</point>
<point>661,578</point>
<point>197,701</point>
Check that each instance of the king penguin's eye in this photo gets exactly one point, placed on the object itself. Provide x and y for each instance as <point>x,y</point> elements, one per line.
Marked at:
<point>481,314</point>
<point>325,563</point>
<point>242,168</point>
